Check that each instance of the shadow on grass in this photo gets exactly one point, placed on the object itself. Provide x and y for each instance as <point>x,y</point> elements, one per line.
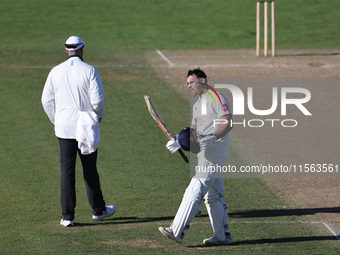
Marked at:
<point>241,214</point>
<point>283,212</point>
<point>308,54</point>
<point>275,240</point>
<point>131,220</point>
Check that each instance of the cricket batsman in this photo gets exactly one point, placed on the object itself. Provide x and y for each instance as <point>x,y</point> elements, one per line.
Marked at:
<point>213,140</point>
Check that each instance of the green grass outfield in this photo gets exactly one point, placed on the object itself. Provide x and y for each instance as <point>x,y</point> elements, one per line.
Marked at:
<point>138,174</point>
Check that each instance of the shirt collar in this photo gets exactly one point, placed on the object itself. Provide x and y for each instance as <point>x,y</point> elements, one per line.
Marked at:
<point>75,56</point>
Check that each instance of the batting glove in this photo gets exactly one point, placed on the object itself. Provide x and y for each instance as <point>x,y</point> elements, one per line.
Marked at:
<point>207,141</point>
<point>173,146</point>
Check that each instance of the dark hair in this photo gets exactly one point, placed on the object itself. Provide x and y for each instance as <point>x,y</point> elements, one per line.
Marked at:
<point>198,72</point>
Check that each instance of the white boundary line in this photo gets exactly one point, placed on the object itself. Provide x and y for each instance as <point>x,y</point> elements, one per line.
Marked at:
<point>267,222</point>
<point>165,58</point>
<point>37,67</point>
<point>189,66</point>
<point>256,222</point>
<point>331,230</point>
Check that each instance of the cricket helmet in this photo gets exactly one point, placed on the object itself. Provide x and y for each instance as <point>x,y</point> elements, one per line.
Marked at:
<point>188,140</point>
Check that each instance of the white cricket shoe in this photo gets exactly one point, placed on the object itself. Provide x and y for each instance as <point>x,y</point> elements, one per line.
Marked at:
<point>214,241</point>
<point>168,233</point>
<point>66,223</point>
<point>110,210</point>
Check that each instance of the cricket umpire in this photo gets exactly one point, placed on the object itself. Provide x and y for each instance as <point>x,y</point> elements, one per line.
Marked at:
<point>214,145</point>
<point>73,88</point>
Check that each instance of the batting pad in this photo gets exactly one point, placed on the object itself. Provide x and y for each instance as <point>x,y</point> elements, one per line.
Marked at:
<point>185,214</point>
<point>217,210</point>
<point>216,215</point>
<point>225,215</point>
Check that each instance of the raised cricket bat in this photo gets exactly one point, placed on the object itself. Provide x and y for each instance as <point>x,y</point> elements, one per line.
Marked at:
<point>155,115</point>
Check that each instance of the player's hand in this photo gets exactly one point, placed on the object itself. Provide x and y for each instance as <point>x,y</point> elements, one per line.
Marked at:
<point>173,146</point>
<point>207,141</point>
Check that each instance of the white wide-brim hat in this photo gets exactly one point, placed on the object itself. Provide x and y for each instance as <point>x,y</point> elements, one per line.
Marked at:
<point>74,43</point>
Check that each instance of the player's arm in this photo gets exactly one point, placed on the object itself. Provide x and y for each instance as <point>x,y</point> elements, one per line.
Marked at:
<point>48,98</point>
<point>224,126</point>
<point>96,93</point>
<point>223,129</point>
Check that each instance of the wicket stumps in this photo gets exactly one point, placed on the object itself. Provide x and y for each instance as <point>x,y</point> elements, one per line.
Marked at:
<point>258,30</point>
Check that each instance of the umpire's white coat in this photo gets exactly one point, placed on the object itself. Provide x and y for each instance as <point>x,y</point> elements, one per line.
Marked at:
<point>72,86</point>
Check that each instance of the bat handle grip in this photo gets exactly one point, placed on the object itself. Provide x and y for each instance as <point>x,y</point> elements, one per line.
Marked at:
<point>183,156</point>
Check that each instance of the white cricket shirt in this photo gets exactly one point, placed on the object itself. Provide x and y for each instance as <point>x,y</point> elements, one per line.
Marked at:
<point>205,112</point>
<point>72,86</point>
